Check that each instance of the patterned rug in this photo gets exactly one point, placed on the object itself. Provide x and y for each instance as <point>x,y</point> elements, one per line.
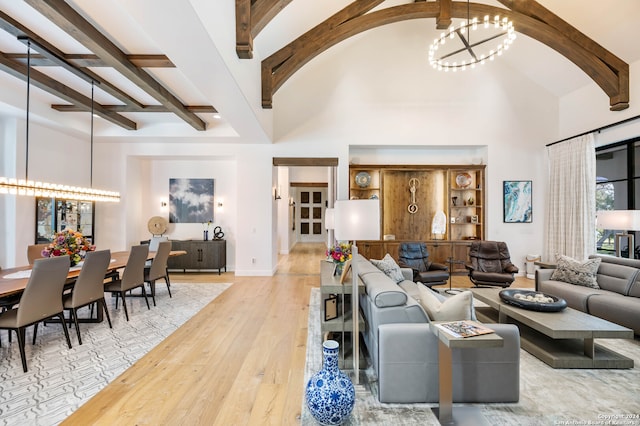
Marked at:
<point>60,379</point>
<point>547,396</point>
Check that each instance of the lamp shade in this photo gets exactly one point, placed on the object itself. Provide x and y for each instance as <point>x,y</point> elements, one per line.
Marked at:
<point>329,219</point>
<point>619,220</point>
<point>357,220</point>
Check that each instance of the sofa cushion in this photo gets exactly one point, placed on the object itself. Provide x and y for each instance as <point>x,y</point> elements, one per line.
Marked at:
<point>622,310</point>
<point>576,296</point>
<point>454,308</point>
<point>575,272</point>
<point>389,266</point>
<point>616,278</point>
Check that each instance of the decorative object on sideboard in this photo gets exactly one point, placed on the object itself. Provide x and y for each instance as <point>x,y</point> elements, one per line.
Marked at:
<point>157,225</point>
<point>217,233</point>
<point>439,225</point>
<point>329,393</point>
<point>413,185</point>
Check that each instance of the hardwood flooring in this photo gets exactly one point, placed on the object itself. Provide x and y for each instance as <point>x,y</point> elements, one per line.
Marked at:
<point>238,361</point>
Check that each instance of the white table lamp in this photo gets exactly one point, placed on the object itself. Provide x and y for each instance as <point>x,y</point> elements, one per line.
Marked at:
<point>356,220</point>
<point>620,220</point>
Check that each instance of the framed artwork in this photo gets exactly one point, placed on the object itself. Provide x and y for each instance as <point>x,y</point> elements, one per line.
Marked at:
<point>517,201</point>
<point>331,307</point>
<point>345,270</point>
<point>190,200</point>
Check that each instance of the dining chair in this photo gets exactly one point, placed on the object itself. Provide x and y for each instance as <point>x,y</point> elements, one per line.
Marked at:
<point>132,277</point>
<point>158,269</point>
<point>41,300</point>
<point>34,252</point>
<point>89,287</point>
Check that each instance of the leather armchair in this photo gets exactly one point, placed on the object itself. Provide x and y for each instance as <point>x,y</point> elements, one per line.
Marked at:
<point>416,257</point>
<point>490,264</point>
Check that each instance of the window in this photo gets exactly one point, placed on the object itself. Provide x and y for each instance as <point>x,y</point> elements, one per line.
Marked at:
<point>617,187</point>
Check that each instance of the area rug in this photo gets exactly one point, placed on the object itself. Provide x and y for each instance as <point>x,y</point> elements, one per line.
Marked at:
<point>547,396</point>
<point>60,379</point>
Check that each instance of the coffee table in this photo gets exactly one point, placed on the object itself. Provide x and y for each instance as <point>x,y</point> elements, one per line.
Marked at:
<point>562,339</point>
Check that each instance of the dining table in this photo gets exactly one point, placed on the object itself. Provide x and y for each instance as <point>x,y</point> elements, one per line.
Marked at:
<point>13,281</point>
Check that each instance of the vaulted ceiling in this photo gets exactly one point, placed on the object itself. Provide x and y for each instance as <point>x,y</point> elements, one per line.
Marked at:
<point>145,79</point>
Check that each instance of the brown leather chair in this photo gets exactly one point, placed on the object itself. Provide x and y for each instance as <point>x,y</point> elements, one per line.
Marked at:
<point>490,264</point>
<point>416,257</point>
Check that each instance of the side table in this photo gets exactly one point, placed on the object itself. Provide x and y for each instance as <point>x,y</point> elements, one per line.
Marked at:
<point>451,261</point>
<point>446,342</point>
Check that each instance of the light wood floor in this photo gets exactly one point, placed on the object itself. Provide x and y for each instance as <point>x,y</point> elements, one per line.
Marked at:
<point>239,361</point>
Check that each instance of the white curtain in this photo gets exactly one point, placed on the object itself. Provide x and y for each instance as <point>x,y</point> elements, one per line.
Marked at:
<point>571,205</point>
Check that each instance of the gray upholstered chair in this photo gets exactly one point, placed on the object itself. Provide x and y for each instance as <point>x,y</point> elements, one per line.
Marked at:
<point>490,264</point>
<point>132,277</point>
<point>416,257</point>
<point>41,300</point>
<point>158,269</point>
<point>89,287</point>
<point>34,252</point>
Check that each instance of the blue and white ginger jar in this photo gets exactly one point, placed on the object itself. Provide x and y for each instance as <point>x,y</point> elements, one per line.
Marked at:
<point>330,395</point>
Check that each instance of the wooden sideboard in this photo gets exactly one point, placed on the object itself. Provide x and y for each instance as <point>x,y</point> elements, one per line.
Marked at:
<point>200,255</point>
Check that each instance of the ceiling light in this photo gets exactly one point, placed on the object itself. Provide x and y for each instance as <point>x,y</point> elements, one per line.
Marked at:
<point>495,35</point>
<point>13,186</point>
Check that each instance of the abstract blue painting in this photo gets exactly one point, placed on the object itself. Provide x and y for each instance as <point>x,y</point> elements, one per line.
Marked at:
<point>517,201</point>
<point>190,200</point>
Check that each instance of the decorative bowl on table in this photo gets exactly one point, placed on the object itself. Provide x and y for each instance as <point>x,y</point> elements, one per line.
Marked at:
<point>533,300</point>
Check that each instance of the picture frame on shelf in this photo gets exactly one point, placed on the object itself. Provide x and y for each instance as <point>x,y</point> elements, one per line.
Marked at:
<point>517,201</point>
<point>345,270</point>
<point>474,219</point>
<point>331,307</point>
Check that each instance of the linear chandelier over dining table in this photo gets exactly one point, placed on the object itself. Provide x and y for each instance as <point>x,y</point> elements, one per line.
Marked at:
<point>51,190</point>
<point>26,187</point>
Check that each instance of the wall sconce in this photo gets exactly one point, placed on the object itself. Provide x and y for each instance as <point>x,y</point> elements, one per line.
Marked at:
<point>220,204</point>
<point>163,204</point>
<point>277,194</point>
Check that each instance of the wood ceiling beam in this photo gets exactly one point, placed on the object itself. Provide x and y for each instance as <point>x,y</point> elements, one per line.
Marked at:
<point>204,109</point>
<point>314,40</point>
<point>251,18</point>
<point>88,60</point>
<point>16,29</point>
<point>612,75</point>
<point>65,17</point>
<point>58,89</point>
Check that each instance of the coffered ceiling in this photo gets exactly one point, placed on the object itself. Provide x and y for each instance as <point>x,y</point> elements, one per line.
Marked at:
<point>174,67</point>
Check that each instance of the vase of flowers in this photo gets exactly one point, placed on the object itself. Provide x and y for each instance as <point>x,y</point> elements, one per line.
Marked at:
<point>339,253</point>
<point>69,243</point>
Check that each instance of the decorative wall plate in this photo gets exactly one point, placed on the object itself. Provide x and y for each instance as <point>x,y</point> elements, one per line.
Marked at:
<point>363,179</point>
<point>463,180</point>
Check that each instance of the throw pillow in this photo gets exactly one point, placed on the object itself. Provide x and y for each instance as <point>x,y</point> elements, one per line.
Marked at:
<point>575,272</point>
<point>454,308</point>
<point>389,266</point>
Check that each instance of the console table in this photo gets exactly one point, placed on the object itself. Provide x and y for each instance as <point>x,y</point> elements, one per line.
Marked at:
<point>330,286</point>
<point>200,255</point>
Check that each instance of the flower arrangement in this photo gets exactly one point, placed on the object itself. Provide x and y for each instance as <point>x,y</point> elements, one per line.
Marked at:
<point>68,242</point>
<point>340,252</point>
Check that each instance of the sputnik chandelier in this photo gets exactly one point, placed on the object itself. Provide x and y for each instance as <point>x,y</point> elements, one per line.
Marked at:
<point>496,37</point>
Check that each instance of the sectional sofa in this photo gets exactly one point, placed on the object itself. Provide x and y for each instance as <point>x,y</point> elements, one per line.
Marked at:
<point>404,350</point>
<point>618,298</point>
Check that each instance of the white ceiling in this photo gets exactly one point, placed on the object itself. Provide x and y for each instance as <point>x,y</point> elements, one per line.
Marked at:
<point>209,73</point>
